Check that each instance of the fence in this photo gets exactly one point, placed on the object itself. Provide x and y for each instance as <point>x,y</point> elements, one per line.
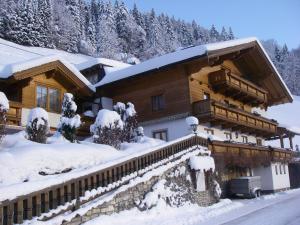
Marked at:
<point>34,204</point>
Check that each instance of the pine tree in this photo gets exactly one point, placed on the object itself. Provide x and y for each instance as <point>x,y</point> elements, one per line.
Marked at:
<point>224,35</point>
<point>37,126</point>
<point>230,34</point>
<point>214,34</point>
<point>69,121</point>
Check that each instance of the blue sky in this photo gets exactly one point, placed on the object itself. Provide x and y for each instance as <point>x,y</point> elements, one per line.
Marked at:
<point>265,19</point>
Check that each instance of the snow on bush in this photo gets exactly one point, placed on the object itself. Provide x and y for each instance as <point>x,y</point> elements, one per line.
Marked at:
<point>191,120</point>
<point>69,120</point>
<point>4,107</point>
<point>202,163</point>
<point>159,192</point>
<point>130,123</point>
<point>37,126</point>
<point>108,128</point>
<point>139,134</point>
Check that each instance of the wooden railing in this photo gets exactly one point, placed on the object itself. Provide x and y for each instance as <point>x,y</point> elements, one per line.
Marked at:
<point>225,82</point>
<point>229,117</point>
<point>14,113</point>
<point>34,204</point>
<point>248,155</point>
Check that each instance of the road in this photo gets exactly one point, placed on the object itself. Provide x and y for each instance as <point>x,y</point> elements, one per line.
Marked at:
<point>284,210</point>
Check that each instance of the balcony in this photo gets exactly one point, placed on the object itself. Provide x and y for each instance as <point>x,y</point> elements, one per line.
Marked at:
<point>220,114</point>
<point>248,155</point>
<point>14,113</point>
<point>223,81</point>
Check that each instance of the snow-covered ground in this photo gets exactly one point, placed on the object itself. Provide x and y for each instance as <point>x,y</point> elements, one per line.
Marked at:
<point>276,209</point>
<point>22,162</point>
<point>288,116</point>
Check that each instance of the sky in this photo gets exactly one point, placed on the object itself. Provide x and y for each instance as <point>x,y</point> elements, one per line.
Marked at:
<point>265,19</point>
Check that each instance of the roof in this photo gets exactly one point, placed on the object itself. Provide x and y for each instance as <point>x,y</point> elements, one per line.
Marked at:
<point>187,54</point>
<point>16,58</point>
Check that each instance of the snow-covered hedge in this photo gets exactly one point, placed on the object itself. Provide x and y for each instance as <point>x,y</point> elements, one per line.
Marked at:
<point>37,126</point>
<point>202,163</point>
<point>4,107</point>
<point>69,120</point>
<point>108,128</point>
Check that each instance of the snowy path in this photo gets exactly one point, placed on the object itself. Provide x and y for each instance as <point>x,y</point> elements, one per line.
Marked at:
<point>281,209</point>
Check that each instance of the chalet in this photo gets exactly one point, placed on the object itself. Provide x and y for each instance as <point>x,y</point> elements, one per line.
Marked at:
<point>38,77</point>
<point>228,86</point>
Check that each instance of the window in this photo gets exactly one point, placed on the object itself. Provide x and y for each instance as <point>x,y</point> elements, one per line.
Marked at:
<point>276,170</point>
<point>245,139</point>
<point>280,170</point>
<point>206,96</point>
<point>284,171</point>
<point>48,98</point>
<point>259,141</point>
<point>158,103</point>
<point>209,131</point>
<point>160,134</point>
<point>228,135</point>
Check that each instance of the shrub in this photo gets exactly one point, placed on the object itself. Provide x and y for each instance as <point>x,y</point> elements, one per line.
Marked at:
<point>69,120</point>
<point>37,126</point>
<point>108,128</point>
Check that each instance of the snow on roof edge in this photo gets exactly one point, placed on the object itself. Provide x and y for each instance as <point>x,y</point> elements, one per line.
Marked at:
<point>18,67</point>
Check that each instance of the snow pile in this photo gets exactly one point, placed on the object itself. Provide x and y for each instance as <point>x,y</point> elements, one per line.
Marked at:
<point>202,163</point>
<point>107,118</point>
<point>158,193</point>
<point>40,114</point>
<point>4,105</point>
<point>130,111</point>
<point>72,122</point>
<point>217,189</point>
<point>89,113</point>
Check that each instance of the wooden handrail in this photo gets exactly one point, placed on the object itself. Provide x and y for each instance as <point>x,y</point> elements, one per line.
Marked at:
<point>26,207</point>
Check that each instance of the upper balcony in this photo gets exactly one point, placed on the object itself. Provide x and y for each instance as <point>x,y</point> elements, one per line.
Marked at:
<point>223,81</point>
<point>233,118</point>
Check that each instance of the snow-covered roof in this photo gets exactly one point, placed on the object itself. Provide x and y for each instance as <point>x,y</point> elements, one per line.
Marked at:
<point>16,58</point>
<point>182,55</point>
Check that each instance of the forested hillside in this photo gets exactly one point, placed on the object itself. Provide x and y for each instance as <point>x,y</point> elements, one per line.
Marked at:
<point>102,28</point>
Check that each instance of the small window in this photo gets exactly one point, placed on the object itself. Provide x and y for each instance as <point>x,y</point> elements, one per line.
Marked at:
<point>228,135</point>
<point>158,102</point>
<point>284,171</point>
<point>160,134</point>
<point>54,100</point>
<point>245,139</point>
<point>276,170</point>
<point>258,141</point>
<point>209,131</point>
<point>206,96</point>
<point>41,97</point>
<point>48,98</point>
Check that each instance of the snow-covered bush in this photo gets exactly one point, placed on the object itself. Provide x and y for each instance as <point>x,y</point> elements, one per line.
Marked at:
<point>69,120</point>
<point>120,108</point>
<point>130,123</point>
<point>217,190</point>
<point>139,134</point>
<point>108,128</point>
<point>4,107</point>
<point>37,126</point>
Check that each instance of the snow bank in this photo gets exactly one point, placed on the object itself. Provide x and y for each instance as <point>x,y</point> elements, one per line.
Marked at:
<point>202,163</point>
<point>89,113</point>
<point>4,105</point>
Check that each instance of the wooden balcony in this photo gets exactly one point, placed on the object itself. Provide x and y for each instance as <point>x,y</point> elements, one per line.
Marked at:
<point>248,155</point>
<point>223,81</point>
<point>14,113</point>
<point>220,114</point>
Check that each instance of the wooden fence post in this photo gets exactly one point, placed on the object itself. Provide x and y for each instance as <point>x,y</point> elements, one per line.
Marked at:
<point>20,211</point>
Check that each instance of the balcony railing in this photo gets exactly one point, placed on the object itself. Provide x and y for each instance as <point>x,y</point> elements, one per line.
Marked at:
<point>223,81</point>
<point>14,113</point>
<point>233,118</point>
<point>248,155</point>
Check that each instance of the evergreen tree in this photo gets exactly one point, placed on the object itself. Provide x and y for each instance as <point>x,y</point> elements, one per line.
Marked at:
<point>69,120</point>
<point>230,34</point>
<point>214,34</point>
<point>224,35</point>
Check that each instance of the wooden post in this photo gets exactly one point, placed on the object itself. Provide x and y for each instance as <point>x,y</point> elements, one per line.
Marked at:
<point>20,211</point>
<point>38,205</point>
<point>10,213</point>
<point>1,215</point>
<point>46,201</point>
<point>291,142</point>
<point>29,208</point>
<point>281,141</point>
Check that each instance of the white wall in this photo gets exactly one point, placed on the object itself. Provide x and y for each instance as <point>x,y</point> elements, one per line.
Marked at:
<point>53,118</point>
<point>272,181</point>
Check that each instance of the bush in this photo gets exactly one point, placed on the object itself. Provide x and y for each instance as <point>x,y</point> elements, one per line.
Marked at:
<point>108,128</point>
<point>69,120</point>
<point>4,107</point>
<point>37,126</point>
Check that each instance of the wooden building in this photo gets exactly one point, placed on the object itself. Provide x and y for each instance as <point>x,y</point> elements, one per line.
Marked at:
<point>228,86</point>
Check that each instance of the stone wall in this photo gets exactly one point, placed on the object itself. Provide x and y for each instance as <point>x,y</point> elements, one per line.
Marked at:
<point>178,180</point>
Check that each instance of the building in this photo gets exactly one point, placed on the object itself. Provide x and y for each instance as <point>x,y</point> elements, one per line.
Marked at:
<point>228,86</point>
